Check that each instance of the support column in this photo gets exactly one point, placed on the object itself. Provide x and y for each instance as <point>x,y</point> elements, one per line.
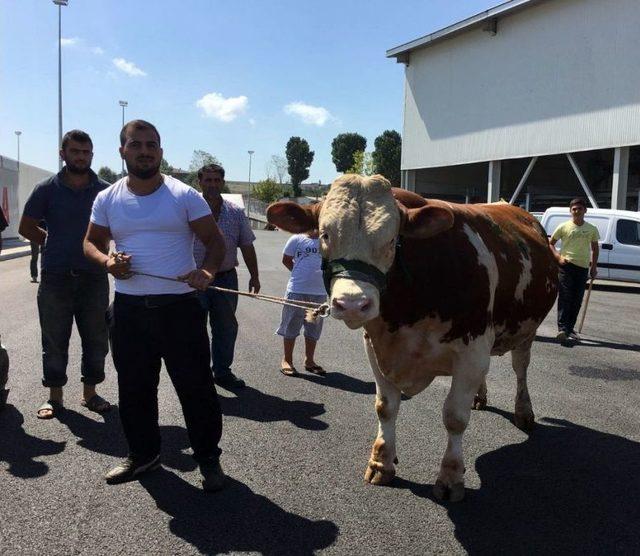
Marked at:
<point>583,182</point>
<point>523,180</point>
<point>410,180</point>
<point>620,178</point>
<point>493,182</point>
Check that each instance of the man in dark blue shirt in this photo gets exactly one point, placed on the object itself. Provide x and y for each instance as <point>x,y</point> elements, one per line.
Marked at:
<point>71,286</point>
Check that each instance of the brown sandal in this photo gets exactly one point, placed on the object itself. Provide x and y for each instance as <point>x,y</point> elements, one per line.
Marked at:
<point>289,371</point>
<point>96,403</point>
<point>316,370</point>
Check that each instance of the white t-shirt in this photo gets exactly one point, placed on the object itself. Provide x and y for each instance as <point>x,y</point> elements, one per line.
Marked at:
<point>154,230</point>
<point>306,276</point>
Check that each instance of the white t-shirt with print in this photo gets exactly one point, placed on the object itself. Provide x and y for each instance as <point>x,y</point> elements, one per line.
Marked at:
<point>154,230</point>
<point>306,276</point>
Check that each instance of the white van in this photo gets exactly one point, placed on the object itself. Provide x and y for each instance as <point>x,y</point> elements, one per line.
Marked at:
<point>619,240</point>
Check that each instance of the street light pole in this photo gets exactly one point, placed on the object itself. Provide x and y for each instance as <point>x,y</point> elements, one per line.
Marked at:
<point>249,204</point>
<point>60,3</point>
<point>18,134</point>
<point>124,104</point>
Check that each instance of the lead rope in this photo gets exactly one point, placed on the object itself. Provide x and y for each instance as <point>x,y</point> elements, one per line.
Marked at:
<point>313,311</point>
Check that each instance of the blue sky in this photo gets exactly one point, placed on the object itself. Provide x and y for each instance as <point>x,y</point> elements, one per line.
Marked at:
<point>224,77</point>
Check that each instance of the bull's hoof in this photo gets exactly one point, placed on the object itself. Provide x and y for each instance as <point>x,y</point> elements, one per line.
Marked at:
<point>479,402</point>
<point>377,474</point>
<point>453,493</point>
<point>524,421</point>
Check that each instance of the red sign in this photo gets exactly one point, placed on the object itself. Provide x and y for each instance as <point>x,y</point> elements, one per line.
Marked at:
<point>5,203</point>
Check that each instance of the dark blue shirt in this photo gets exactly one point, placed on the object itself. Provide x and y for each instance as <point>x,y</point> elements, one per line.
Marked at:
<point>66,212</point>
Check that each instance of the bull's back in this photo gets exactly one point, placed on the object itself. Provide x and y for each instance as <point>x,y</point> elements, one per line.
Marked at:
<point>451,276</point>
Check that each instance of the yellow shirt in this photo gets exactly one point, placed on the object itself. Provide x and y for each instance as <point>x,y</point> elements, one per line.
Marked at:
<point>576,242</point>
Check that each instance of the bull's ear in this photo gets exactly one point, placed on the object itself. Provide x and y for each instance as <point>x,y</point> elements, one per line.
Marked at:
<point>292,217</point>
<point>426,221</point>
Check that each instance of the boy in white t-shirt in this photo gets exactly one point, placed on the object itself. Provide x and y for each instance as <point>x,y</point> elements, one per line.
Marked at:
<point>301,255</point>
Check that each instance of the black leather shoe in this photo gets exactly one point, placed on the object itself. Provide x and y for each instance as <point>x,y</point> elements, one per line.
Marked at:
<point>129,469</point>
<point>229,381</point>
<point>213,476</point>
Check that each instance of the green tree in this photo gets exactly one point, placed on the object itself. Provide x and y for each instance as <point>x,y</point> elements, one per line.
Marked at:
<point>343,147</point>
<point>267,191</point>
<point>199,159</point>
<point>362,164</point>
<point>277,168</point>
<point>165,167</point>
<point>107,174</point>
<point>386,156</point>
<point>299,158</point>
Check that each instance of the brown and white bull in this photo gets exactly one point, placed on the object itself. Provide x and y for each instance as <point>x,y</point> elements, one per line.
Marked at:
<point>438,288</point>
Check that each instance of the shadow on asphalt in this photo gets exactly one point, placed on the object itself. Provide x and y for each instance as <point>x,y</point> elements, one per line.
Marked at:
<point>590,343</point>
<point>106,437</point>
<point>20,449</point>
<point>567,489</point>
<point>252,404</point>
<point>234,520</point>
<point>618,288</point>
<point>341,381</point>
<point>607,373</point>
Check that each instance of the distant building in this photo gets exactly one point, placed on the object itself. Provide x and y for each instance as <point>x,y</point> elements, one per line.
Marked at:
<point>538,96</point>
<point>16,183</point>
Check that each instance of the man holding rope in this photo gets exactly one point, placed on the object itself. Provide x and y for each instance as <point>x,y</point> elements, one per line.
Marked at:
<point>222,306</point>
<point>153,220</point>
<point>579,251</point>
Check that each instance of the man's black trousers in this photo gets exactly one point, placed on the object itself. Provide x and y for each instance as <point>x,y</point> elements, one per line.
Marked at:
<point>572,281</point>
<point>143,331</point>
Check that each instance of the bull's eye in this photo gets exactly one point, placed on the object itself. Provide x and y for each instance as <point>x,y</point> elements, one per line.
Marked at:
<point>324,236</point>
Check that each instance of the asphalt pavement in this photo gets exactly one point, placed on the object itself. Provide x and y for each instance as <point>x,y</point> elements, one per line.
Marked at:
<point>295,450</point>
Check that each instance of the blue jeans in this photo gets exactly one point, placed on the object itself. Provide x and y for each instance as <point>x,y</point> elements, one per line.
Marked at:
<point>61,298</point>
<point>221,308</point>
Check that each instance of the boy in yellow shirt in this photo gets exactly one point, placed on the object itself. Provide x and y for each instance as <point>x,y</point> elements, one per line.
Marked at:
<point>578,258</point>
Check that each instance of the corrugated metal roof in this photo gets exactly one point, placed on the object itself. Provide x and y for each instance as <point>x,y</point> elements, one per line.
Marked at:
<point>472,22</point>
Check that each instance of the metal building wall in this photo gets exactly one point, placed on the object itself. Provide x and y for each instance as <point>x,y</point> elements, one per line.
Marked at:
<point>14,192</point>
<point>557,77</point>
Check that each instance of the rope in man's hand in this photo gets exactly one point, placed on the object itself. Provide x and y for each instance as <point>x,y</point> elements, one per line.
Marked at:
<point>313,310</point>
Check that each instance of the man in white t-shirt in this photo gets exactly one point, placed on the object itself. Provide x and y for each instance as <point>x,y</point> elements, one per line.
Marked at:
<point>153,218</point>
<point>301,255</point>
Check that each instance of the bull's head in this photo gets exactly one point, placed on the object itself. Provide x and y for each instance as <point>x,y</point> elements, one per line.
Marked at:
<point>359,224</point>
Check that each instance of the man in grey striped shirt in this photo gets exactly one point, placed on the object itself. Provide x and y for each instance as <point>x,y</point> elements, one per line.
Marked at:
<point>221,307</point>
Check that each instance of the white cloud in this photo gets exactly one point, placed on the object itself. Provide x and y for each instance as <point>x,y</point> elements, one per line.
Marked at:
<point>70,41</point>
<point>97,50</point>
<point>314,115</point>
<point>214,105</point>
<point>128,67</point>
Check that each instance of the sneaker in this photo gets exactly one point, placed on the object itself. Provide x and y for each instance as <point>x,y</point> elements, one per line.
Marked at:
<point>34,279</point>
<point>562,336</point>
<point>573,335</point>
<point>213,475</point>
<point>129,469</point>
<point>229,381</point>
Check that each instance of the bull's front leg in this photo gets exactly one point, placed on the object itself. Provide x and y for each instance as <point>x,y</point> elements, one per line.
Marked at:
<point>381,467</point>
<point>455,415</point>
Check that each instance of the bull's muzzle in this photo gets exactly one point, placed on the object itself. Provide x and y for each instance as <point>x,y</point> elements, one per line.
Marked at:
<point>354,302</point>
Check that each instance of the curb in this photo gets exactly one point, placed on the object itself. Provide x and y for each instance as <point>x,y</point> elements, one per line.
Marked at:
<point>15,255</point>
